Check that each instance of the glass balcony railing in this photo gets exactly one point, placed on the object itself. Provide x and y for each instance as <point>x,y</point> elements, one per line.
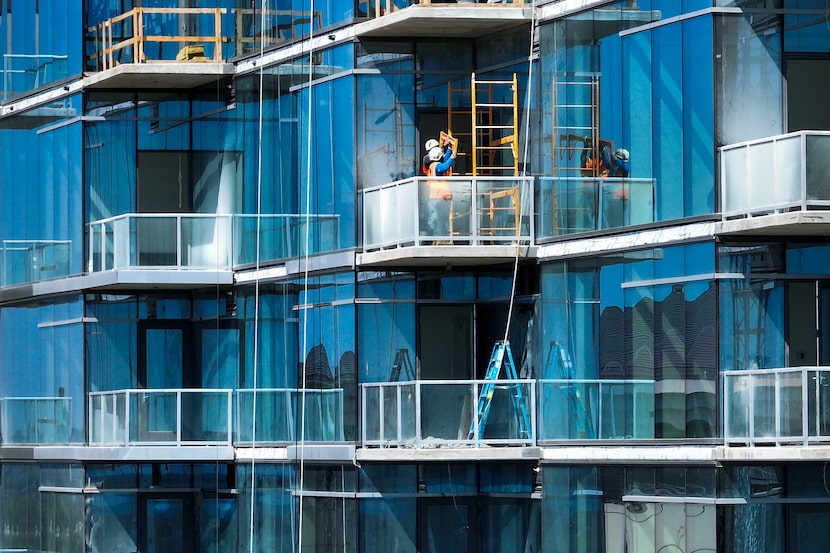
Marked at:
<point>789,172</point>
<point>596,409</point>
<point>160,417</point>
<point>282,236</point>
<point>24,72</point>
<point>569,205</point>
<point>434,413</point>
<point>197,241</point>
<point>192,416</point>
<point>280,415</point>
<point>35,420</point>
<point>160,240</point>
<point>24,261</point>
<point>777,406</point>
<point>450,210</point>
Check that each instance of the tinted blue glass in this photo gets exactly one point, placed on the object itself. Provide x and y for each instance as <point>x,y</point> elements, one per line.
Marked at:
<point>36,51</point>
<point>42,397</point>
<point>332,187</point>
<point>698,117</point>
<point>385,328</point>
<point>808,259</point>
<point>40,213</point>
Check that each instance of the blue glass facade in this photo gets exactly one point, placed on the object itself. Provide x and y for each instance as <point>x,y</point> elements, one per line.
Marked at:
<point>229,320</point>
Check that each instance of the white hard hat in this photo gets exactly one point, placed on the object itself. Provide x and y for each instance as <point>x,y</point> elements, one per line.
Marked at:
<point>621,154</point>
<point>436,153</point>
<point>431,143</point>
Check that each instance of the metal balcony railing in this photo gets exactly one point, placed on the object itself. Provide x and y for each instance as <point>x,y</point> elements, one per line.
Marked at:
<point>160,240</point>
<point>198,416</point>
<point>24,261</point>
<point>197,241</point>
<point>569,205</point>
<point>430,413</point>
<point>788,172</point>
<point>468,211</point>
<point>185,416</point>
<point>35,420</point>
<point>777,406</point>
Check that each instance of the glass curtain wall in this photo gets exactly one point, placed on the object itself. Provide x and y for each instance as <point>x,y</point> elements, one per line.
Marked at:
<point>41,396</point>
<point>40,215</point>
<point>37,517</point>
<point>630,344</point>
<point>616,509</point>
<point>606,85</point>
<point>36,52</point>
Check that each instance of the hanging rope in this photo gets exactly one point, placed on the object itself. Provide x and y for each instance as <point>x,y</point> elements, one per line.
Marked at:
<point>524,168</point>
<point>256,280</point>
<point>304,305</point>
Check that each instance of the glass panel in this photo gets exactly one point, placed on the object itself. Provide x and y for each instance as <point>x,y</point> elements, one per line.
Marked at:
<point>788,170</point>
<point>166,526</point>
<point>818,167</point>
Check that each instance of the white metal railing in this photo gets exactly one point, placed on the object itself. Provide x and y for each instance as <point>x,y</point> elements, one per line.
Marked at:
<point>203,241</point>
<point>776,406</point>
<point>31,260</point>
<point>174,416</point>
<point>35,420</point>
<point>431,413</point>
<point>609,409</point>
<point>776,174</point>
<point>473,210</point>
<point>201,416</point>
<point>160,240</point>
<point>568,205</point>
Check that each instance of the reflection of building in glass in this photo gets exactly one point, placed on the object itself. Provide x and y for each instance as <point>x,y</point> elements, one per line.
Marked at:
<point>229,320</point>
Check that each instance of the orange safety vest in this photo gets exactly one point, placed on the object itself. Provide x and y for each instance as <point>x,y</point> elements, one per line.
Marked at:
<point>438,189</point>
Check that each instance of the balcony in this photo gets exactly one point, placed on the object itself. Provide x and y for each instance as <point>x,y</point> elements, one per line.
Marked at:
<point>23,261</point>
<point>463,19</point>
<point>35,420</point>
<point>770,185</point>
<point>191,242</point>
<point>441,413</point>
<point>479,213</point>
<point>775,407</point>
<point>190,416</point>
<point>570,205</point>
<point>596,409</point>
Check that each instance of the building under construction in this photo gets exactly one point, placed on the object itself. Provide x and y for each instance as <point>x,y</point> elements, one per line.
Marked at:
<point>236,316</point>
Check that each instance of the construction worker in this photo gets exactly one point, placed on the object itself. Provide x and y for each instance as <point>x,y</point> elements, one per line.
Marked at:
<point>440,161</point>
<point>614,194</point>
<point>618,165</point>
<point>430,144</point>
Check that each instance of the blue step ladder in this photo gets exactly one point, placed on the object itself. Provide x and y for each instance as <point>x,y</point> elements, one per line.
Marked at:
<point>501,356</point>
<point>401,363</point>
<point>582,421</point>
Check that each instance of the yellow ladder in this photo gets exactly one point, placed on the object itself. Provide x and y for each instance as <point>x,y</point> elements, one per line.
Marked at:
<point>495,127</point>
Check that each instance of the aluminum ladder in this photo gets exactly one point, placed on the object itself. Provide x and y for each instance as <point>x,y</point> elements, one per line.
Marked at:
<point>501,356</point>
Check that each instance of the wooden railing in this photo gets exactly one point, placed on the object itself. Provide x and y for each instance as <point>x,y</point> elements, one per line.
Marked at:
<point>108,46</point>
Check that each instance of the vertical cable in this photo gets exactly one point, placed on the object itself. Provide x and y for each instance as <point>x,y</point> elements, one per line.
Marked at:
<point>524,170</point>
<point>256,270</point>
<point>304,305</point>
